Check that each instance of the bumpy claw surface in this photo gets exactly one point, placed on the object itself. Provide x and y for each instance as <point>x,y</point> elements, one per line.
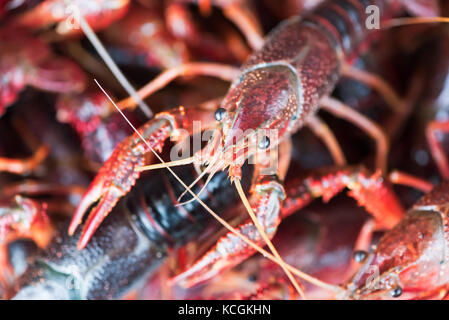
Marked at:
<point>117,176</point>
<point>371,190</point>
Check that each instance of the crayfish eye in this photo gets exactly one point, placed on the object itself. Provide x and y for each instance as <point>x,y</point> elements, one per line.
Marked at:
<point>264,143</point>
<point>359,256</point>
<point>253,277</point>
<point>396,292</point>
<point>220,114</point>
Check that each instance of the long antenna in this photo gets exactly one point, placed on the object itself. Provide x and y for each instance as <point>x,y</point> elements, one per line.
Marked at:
<point>264,236</point>
<point>131,91</point>
<point>266,254</point>
<point>90,34</point>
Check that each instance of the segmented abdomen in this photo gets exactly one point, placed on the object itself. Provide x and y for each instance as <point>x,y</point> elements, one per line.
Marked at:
<point>316,45</point>
<point>345,21</point>
<point>154,200</point>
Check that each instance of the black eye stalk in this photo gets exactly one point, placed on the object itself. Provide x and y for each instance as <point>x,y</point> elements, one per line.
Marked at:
<point>264,143</point>
<point>396,292</point>
<point>359,256</point>
<point>253,277</point>
<point>220,114</point>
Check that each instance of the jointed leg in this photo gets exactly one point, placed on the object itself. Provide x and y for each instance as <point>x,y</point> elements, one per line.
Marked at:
<point>21,166</point>
<point>247,23</point>
<point>268,173</point>
<point>243,18</point>
<point>364,238</point>
<point>222,71</point>
<point>320,128</point>
<point>377,83</point>
<point>37,188</point>
<point>371,191</point>
<point>436,148</point>
<point>267,194</point>
<point>231,250</point>
<point>402,178</point>
<point>362,245</point>
<point>344,111</point>
<point>365,235</point>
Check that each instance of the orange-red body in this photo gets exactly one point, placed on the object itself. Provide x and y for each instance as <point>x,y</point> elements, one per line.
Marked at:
<point>65,13</point>
<point>412,256</point>
<point>280,87</point>
<point>27,60</point>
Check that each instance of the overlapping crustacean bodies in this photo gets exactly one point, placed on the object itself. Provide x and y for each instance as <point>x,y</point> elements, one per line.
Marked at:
<point>64,14</point>
<point>281,86</point>
<point>410,261</point>
<point>28,61</point>
<point>148,222</point>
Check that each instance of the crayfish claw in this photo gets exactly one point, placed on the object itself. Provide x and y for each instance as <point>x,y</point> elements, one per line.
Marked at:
<point>117,176</point>
<point>375,193</point>
<point>92,195</point>
<point>98,214</point>
<point>119,170</point>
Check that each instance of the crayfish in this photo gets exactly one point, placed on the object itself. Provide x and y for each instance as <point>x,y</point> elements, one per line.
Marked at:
<point>149,222</point>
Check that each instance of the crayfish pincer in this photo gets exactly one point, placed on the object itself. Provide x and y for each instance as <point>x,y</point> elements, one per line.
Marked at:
<point>129,247</point>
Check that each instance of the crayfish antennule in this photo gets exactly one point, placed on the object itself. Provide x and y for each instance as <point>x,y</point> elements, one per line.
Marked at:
<point>209,178</point>
<point>174,163</point>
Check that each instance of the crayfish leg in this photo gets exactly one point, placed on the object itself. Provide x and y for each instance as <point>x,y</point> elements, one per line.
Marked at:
<point>22,166</point>
<point>436,148</point>
<point>344,111</point>
<point>230,250</point>
<point>222,71</point>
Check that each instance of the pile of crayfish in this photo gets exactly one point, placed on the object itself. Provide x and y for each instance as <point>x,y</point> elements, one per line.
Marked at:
<point>224,149</point>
